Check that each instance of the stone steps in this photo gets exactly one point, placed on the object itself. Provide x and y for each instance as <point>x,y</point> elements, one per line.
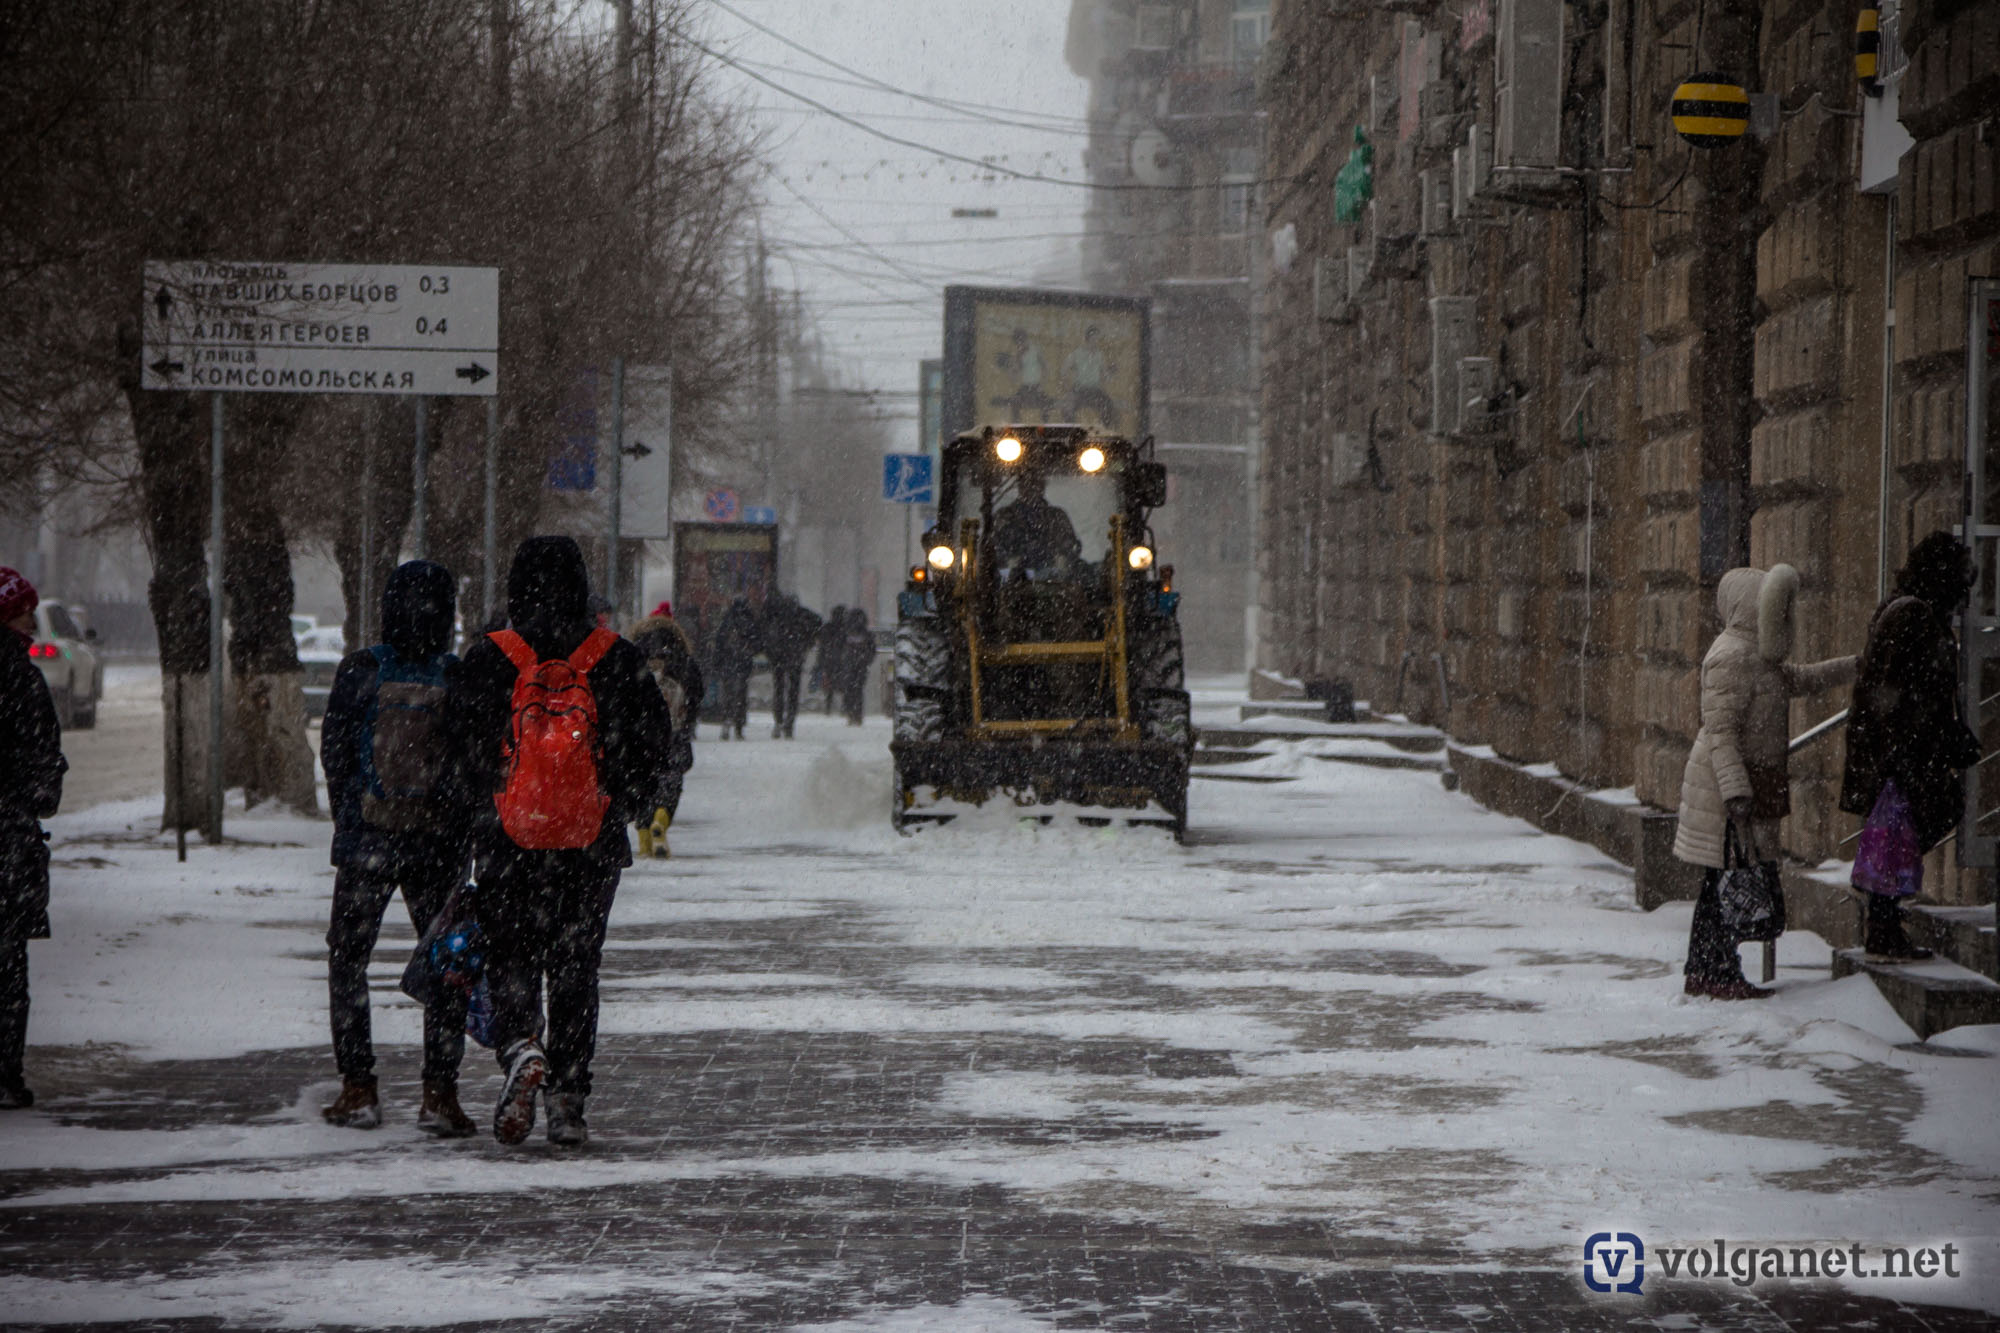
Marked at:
<point>1930,996</point>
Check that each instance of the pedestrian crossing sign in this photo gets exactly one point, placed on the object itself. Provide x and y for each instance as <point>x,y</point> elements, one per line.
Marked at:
<point>906,479</point>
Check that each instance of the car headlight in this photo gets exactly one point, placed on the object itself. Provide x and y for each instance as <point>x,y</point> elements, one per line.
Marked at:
<point>941,557</point>
<point>1091,459</point>
<point>1140,557</point>
<point>1008,449</point>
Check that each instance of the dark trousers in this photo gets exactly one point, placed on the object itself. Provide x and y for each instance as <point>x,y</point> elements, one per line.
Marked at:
<point>785,694</point>
<point>543,914</point>
<point>1712,946</point>
<point>735,691</point>
<point>854,694</point>
<point>13,1006</point>
<point>361,892</point>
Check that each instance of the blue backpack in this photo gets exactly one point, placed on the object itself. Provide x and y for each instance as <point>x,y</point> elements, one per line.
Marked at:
<point>403,742</point>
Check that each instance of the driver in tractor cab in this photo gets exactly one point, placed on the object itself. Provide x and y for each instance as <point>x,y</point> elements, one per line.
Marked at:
<point>1032,536</point>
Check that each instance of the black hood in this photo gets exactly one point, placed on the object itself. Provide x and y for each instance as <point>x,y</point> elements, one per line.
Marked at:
<point>419,608</point>
<point>548,595</point>
<point>1939,570</point>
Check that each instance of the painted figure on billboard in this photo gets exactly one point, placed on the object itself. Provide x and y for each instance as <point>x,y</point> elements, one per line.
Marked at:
<point>1038,361</point>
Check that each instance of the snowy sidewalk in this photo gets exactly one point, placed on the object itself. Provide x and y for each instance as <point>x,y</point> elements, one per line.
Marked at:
<point>1361,1055</point>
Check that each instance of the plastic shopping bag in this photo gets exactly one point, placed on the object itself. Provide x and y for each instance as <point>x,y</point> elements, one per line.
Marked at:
<point>1889,861</point>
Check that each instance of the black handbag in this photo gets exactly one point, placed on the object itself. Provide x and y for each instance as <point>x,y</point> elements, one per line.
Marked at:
<point>1750,899</point>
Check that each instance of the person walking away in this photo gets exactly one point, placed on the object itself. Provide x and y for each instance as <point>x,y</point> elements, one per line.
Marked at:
<point>31,774</point>
<point>562,737</point>
<point>1905,726</point>
<point>826,662</point>
<point>790,631</point>
<point>1736,775</point>
<point>384,751</point>
<point>857,655</point>
<point>671,658</point>
<point>738,640</point>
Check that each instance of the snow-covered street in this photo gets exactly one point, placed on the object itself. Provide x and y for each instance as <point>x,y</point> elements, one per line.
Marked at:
<point>1360,1055</point>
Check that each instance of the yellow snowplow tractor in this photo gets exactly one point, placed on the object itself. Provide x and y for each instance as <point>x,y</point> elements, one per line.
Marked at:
<point>1038,649</point>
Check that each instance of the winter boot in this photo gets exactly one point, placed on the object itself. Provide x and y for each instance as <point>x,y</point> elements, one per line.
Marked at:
<point>527,1070</point>
<point>441,1116</point>
<point>1728,988</point>
<point>662,821</point>
<point>356,1107</point>
<point>1884,937</point>
<point>566,1127</point>
<point>15,1095</point>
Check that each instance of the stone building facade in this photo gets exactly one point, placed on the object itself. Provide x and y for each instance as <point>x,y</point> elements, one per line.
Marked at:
<point>1566,368</point>
<point>1176,138</point>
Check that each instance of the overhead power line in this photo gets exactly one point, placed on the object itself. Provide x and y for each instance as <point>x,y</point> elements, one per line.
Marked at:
<point>869,79</point>
<point>984,164</point>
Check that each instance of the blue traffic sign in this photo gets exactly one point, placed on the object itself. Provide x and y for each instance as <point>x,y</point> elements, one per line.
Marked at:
<point>720,505</point>
<point>906,479</point>
<point>760,514</point>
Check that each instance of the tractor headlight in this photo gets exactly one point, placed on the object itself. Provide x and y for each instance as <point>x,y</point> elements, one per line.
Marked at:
<point>1091,459</point>
<point>1007,449</point>
<point>941,557</point>
<point>1140,557</point>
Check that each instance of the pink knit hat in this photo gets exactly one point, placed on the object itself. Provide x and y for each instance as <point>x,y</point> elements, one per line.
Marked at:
<point>17,595</point>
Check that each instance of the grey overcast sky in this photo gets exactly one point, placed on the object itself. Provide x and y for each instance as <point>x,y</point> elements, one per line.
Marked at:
<point>863,227</point>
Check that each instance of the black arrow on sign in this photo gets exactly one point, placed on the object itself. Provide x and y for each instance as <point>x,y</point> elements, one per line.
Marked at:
<point>163,303</point>
<point>167,369</point>
<point>474,372</point>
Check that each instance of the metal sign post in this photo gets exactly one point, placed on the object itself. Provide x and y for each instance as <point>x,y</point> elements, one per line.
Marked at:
<point>419,473</point>
<point>491,533</point>
<point>403,329</point>
<point>212,828</point>
<point>617,505</point>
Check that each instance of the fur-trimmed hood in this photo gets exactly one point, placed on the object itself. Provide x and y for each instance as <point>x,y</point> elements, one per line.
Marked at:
<point>1758,606</point>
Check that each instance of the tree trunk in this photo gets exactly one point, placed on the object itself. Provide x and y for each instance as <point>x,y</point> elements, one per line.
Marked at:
<point>273,759</point>
<point>172,440</point>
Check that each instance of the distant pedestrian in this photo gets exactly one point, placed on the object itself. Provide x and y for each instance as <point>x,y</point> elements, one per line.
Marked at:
<point>384,750</point>
<point>790,631</point>
<point>857,657</point>
<point>738,640</point>
<point>671,659</point>
<point>826,662</point>
<point>31,773</point>
<point>562,738</point>
<point>1906,726</point>
<point>1736,776</point>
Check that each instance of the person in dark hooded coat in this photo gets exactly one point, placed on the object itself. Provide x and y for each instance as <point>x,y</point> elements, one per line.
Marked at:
<point>738,640</point>
<point>31,773</point>
<point>543,912</point>
<point>826,665</point>
<point>384,751</point>
<point>1905,724</point>
<point>790,630</point>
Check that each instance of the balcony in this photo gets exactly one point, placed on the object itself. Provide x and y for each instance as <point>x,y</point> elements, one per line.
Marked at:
<point>1198,94</point>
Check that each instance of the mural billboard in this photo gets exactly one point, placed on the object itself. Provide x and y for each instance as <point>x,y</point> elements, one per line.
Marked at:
<point>1026,356</point>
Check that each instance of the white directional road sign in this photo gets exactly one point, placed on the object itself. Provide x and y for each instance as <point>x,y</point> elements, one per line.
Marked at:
<point>322,328</point>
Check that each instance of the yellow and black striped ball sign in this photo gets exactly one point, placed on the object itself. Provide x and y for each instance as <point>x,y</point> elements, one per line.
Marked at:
<point>1868,51</point>
<point>1711,110</point>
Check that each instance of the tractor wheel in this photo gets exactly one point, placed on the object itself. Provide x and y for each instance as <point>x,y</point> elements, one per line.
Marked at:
<point>923,680</point>
<point>1165,713</point>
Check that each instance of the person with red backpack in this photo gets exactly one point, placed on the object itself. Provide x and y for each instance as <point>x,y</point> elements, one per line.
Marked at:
<point>384,750</point>
<point>561,739</point>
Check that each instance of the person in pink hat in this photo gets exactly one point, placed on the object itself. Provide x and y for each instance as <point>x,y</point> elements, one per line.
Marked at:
<point>31,773</point>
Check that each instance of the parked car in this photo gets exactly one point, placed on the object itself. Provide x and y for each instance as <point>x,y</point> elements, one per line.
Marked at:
<point>320,651</point>
<point>67,654</point>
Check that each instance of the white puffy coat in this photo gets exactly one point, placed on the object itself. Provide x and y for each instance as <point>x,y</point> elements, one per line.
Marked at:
<point>1746,691</point>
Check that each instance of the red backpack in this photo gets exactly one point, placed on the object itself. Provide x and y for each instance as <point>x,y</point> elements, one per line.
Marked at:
<point>553,798</point>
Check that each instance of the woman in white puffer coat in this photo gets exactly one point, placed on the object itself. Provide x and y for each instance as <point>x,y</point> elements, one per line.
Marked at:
<point>1736,772</point>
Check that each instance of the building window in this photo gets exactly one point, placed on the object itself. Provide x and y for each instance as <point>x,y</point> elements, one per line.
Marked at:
<point>1233,207</point>
<point>1249,29</point>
